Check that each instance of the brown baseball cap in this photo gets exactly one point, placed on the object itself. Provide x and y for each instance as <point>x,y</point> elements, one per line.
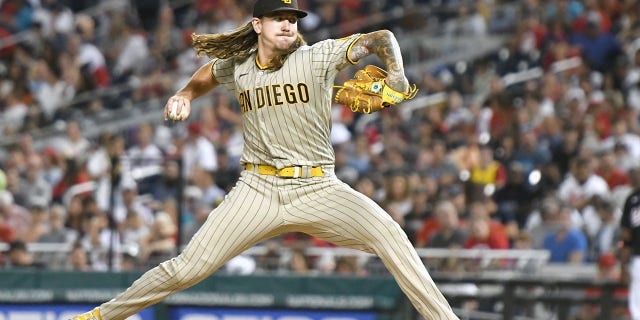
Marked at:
<point>263,7</point>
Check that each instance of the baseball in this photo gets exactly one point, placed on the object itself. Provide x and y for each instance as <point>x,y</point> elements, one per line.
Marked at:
<point>173,113</point>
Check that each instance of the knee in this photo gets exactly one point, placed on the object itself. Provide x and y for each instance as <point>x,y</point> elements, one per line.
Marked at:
<point>182,270</point>
<point>391,232</point>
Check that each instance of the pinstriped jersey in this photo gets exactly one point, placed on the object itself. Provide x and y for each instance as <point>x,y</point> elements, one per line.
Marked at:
<point>287,112</point>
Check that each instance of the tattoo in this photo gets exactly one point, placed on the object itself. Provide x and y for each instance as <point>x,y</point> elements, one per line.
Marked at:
<point>383,44</point>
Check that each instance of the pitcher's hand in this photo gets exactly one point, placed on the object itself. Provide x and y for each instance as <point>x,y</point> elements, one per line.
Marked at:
<point>177,108</point>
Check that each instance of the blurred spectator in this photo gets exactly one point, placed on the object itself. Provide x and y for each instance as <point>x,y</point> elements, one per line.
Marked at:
<point>145,159</point>
<point>450,234</point>
<point>50,89</point>
<point>541,221</point>
<point>488,171</point>
<point>227,173</point>
<point>100,241</point>
<point>6,232</point>
<point>197,151</point>
<point>469,22</point>
<point>441,167</point>
<point>15,112</point>
<point>168,185</point>
<point>622,136</point>
<point>73,145</point>
<point>522,241</point>
<point>530,153</point>
<point>52,170</point>
<point>108,167</point>
<point>420,210</point>
<point>134,230</point>
<point>55,18</point>
<point>567,244</point>
<point>484,232</point>
<point>160,244</point>
<point>624,160</point>
<point>608,170</point>
<point>79,258</point>
<point>211,193</point>
<point>17,14</point>
<point>40,223</point>
<point>578,189</point>
<point>597,46</point>
<point>241,265</point>
<point>348,266</point>
<point>57,232</point>
<point>298,262</point>
<point>130,201</point>
<point>567,149</point>
<point>88,64</point>
<point>608,235</point>
<point>199,217</point>
<point>34,189</point>
<point>131,51</point>
<point>398,194</point>
<point>18,257</point>
<point>74,174</point>
<point>13,185</point>
<point>515,199</point>
<point>269,261</point>
<point>16,217</point>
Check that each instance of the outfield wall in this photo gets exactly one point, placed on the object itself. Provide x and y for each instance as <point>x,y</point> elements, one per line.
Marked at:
<point>46,295</point>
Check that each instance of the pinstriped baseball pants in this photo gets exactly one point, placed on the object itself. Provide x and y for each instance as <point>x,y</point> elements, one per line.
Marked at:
<point>260,207</point>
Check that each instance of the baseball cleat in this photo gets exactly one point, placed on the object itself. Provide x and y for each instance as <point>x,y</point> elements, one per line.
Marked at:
<point>91,315</point>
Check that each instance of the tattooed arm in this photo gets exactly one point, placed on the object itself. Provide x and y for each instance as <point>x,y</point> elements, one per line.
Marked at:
<point>383,44</point>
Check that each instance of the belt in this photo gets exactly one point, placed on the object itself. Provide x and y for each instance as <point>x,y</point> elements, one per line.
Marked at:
<point>288,172</point>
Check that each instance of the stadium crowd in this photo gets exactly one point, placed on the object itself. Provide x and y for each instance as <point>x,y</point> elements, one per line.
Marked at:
<point>545,163</point>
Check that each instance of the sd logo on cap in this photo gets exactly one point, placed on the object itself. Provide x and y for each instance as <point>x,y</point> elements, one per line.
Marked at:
<point>263,7</point>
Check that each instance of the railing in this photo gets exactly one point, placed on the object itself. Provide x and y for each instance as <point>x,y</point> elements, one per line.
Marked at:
<point>555,296</point>
<point>507,262</point>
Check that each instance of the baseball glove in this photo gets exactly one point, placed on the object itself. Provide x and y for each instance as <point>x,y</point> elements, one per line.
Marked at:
<point>368,92</point>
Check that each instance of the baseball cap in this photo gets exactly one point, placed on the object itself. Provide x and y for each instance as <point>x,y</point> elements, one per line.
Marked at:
<point>194,128</point>
<point>607,260</point>
<point>263,7</point>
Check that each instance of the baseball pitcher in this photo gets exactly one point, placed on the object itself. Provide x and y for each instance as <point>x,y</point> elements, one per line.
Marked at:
<point>285,91</point>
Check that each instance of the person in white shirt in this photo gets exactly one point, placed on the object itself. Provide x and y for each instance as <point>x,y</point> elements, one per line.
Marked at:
<point>74,144</point>
<point>578,189</point>
<point>198,151</point>
<point>145,158</point>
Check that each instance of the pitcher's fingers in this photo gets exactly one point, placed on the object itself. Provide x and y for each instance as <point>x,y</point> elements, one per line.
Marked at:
<point>167,109</point>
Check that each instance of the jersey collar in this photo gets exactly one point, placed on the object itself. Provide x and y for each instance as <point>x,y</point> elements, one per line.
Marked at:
<point>261,67</point>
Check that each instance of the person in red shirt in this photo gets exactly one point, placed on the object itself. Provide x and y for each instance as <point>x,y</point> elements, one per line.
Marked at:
<point>610,172</point>
<point>74,174</point>
<point>6,232</point>
<point>485,232</point>
<point>486,235</point>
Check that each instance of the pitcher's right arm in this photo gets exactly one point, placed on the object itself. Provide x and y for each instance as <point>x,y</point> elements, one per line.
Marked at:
<point>201,82</point>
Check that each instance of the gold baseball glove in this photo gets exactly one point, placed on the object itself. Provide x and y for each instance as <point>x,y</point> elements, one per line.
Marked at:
<point>368,92</point>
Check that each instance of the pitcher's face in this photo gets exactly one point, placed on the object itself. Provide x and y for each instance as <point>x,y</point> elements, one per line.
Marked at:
<point>277,31</point>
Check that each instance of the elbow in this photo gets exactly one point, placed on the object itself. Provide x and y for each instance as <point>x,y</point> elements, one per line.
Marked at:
<point>386,33</point>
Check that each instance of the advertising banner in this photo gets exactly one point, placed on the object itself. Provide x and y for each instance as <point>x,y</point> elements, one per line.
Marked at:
<point>55,312</point>
<point>188,313</point>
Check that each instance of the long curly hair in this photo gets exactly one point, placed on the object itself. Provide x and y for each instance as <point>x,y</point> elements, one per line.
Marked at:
<point>240,43</point>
